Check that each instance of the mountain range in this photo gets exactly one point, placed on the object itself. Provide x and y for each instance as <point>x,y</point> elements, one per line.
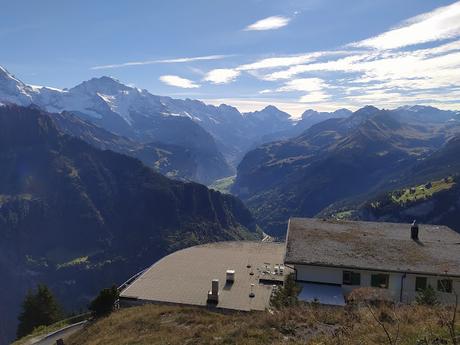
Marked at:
<point>86,197</point>
<point>79,218</point>
<point>429,192</point>
<point>342,158</point>
<point>213,139</point>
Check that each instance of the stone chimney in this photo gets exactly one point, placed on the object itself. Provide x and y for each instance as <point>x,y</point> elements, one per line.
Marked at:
<point>414,231</point>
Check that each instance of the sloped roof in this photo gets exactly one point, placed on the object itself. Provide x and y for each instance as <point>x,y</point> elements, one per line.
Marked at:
<point>373,246</point>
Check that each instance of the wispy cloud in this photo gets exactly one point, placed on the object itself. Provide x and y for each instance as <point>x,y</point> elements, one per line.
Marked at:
<point>165,61</point>
<point>314,97</point>
<point>303,84</point>
<point>440,24</point>
<point>269,23</point>
<point>221,75</point>
<point>386,69</point>
<point>227,75</point>
<point>275,62</point>
<point>174,80</point>
<point>313,87</point>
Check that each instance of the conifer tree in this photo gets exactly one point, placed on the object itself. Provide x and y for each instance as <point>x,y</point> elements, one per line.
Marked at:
<point>38,309</point>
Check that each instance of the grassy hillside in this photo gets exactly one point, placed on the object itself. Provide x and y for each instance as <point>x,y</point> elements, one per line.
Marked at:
<point>153,324</point>
<point>432,202</point>
<point>223,185</point>
<point>423,191</point>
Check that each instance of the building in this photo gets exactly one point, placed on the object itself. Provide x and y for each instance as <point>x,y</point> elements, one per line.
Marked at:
<point>331,258</point>
<point>224,275</point>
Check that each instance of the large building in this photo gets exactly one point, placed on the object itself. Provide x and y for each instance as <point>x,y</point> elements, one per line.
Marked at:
<point>331,258</point>
<point>224,275</point>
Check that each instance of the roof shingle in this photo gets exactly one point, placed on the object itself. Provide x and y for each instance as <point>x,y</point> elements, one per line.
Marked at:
<point>373,246</point>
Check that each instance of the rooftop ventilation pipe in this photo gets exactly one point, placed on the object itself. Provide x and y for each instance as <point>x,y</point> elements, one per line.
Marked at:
<point>414,231</point>
<point>213,295</point>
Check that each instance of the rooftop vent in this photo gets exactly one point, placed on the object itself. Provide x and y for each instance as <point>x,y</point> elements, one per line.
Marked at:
<point>213,295</point>
<point>230,276</point>
<point>414,231</point>
<point>251,293</point>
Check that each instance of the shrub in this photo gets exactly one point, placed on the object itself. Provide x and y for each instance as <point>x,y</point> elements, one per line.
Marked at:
<point>104,303</point>
<point>286,296</point>
<point>427,297</point>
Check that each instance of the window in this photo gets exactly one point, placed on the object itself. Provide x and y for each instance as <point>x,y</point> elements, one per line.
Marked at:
<point>351,278</point>
<point>445,285</point>
<point>420,283</point>
<point>380,280</point>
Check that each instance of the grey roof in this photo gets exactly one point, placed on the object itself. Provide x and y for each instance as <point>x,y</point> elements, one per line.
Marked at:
<point>373,246</point>
<point>184,277</point>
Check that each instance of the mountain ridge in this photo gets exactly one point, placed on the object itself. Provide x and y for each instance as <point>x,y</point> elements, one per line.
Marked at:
<point>335,160</point>
<point>78,218</point>
<point>127,110</point>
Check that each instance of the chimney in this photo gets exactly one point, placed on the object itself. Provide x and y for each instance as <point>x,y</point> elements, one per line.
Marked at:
<point>414,231</point>
<point>215,287</point>
<point>213,295</point>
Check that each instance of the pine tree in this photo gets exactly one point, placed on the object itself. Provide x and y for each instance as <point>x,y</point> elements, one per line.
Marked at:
<point>38,309</point>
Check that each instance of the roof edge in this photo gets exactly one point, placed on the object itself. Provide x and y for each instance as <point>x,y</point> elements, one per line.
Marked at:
<point>374,270</point>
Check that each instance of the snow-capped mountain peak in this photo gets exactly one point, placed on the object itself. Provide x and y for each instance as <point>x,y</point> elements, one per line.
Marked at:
<point>13,90</point>
<point>103,85</point>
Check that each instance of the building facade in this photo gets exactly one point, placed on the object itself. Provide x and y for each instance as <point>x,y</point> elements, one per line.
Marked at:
<point>402,287</point>
<point>393,258</point>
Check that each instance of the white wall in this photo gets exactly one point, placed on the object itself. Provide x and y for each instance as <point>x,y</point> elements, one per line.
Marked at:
<point>327,275</point>
<point>446,298</point>
<point>333,275</point>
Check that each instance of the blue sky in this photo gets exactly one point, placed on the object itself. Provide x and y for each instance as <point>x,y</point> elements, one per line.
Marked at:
<point>294,54</point>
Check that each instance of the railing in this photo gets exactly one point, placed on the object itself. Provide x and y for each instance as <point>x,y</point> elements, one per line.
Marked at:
<point>130,280</point>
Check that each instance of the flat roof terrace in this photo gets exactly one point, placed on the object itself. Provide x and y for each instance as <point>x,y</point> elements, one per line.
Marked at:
<point>184,277</point>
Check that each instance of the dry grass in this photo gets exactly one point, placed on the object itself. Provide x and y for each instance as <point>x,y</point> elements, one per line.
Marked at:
<point>152,324</point>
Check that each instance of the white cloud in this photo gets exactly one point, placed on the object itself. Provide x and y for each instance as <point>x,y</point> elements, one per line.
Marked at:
<point>152,62</point>
<point>277,62</point>
<point>269,23</point>
<point>314,86</point>
<point>287,61</point>
<point>314,97</point>
<point>342,64</point>
<point>386,75</point>
<point>174,80</point>
<point>222,75</point>
<point>226,75</point>
<point>440,24</point>
<point>303,84</point>
<point>265,91</point>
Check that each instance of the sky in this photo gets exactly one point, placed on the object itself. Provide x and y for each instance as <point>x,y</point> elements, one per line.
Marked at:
<point>294,54</point>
